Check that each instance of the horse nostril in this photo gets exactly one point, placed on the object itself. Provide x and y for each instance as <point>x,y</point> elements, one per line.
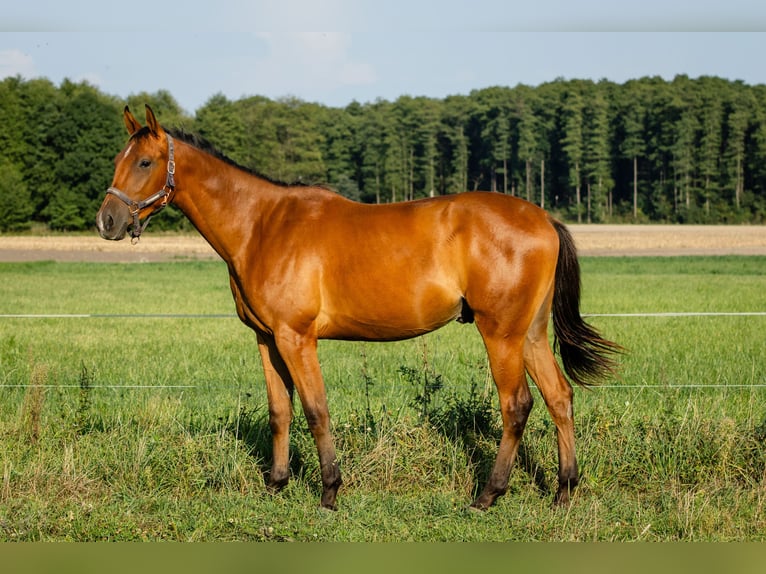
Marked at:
<point>104,222</point>
<point>111,223</point>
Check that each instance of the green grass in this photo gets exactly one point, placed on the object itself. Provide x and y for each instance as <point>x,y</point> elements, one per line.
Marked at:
<point>117,428</point>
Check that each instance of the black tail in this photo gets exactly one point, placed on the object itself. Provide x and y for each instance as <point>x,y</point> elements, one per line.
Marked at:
<point>586,355</point>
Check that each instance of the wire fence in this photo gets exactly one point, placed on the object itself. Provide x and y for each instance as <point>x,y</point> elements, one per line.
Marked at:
<point>234,316</point>
<point>675,314</point>
<point>118,316</point>
<point>668,386</point>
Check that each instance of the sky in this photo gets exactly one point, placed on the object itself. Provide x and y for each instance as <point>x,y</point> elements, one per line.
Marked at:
<point>338,51</point>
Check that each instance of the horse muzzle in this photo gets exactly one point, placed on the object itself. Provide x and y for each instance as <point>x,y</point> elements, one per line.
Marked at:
<point>112,220</point>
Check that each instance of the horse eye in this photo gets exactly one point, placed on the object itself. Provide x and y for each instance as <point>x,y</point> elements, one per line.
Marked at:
<point>144,163</point>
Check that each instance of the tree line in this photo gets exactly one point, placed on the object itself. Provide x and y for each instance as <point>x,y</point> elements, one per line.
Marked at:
<point>647,150</point>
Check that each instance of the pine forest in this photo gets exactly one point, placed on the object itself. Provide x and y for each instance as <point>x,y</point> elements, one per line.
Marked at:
<point>648,150</point>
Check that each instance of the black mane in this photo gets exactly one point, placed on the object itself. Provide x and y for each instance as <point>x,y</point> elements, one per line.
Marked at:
<point>204,145</point>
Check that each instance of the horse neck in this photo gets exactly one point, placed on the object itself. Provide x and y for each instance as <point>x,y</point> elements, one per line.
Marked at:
<point>221,200</point>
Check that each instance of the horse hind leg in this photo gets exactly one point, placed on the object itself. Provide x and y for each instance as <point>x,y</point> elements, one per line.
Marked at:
<point>556,391</point>
<point>506,362</point>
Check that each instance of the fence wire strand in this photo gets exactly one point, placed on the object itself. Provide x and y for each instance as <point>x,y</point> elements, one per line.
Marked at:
<point>232,316</point>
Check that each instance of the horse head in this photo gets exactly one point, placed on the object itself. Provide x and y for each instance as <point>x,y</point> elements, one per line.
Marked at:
<point>145,165</point>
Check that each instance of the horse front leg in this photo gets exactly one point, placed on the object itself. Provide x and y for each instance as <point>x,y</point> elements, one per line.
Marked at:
<point>300,356</point>
<point>279,390</point>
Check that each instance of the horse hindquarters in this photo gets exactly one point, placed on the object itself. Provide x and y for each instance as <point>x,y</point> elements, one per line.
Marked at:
<point>586,356</point>
<point>505,304</point>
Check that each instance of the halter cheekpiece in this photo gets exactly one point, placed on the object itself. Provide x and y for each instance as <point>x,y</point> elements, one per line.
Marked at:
<point>162,195</point>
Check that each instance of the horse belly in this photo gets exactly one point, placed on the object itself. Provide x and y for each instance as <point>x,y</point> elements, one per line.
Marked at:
<point>389,315</point>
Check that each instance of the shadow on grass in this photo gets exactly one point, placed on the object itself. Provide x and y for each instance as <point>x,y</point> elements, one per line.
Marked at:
<point>473,424</point>
<point>251,427</point>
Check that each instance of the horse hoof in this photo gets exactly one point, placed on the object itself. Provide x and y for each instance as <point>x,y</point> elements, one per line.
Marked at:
<point>275,487</point>
<point>561,500</point>
<point>479,505</point>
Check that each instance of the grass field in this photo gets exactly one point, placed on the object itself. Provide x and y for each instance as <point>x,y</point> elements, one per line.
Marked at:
<point>146,428</point>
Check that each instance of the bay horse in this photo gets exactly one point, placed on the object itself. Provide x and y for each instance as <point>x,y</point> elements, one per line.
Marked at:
<point>306,263</point>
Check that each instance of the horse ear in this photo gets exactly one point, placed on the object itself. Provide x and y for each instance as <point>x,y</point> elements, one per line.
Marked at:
<point>130,122</point>
<point>151,122</point>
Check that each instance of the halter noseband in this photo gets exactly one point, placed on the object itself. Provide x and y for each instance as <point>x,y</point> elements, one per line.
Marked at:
<point>164,194</point>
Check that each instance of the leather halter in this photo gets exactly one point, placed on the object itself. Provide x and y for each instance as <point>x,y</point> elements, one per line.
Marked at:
<point>162,195</point>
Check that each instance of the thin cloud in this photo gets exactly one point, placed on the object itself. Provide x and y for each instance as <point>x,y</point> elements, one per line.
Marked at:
<point>302,15</point>
<point>91,78</point>
<point>298,61</point>
<point>16,63</point>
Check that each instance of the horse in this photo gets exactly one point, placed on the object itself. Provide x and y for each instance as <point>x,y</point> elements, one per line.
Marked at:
<point>305,264</point>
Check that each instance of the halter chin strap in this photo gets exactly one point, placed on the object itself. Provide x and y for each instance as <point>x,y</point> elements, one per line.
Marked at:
<point>162,195</point>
